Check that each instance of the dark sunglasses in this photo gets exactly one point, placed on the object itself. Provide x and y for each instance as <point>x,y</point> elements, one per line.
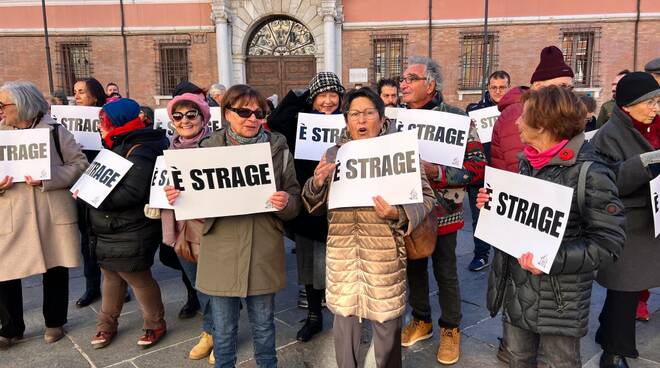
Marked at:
<point>246,113</point>
<point>190,115</point>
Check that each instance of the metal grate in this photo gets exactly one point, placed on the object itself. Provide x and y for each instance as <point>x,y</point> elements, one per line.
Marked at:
<point>74,64</point>
<point>388,57</point>
<point>472,56</point>
<point>581,54</point>
<point>173,66</point>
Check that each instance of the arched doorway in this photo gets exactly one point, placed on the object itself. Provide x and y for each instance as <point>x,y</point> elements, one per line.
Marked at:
<point>280,57</point>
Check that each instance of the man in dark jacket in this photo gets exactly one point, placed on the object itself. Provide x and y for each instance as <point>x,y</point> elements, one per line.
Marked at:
<point>421,88</point>
<point>499,83</point>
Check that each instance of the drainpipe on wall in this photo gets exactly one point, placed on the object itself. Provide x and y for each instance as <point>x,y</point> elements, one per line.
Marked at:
<point>636,37</point>
<point>123,36</point>
<point>484,54</point>
<point>430,28</point>
<point>48,62</point>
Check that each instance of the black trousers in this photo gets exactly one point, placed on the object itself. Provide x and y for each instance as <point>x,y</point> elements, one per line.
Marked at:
<point>91,268</point>
<point>55,302</point>
<point>616,334</point>
<point>444,269</point>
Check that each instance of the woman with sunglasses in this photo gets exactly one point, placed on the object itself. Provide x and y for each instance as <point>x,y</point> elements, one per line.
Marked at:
<point>126,240</point>
<point>190,115</point>
<point>243,256</point>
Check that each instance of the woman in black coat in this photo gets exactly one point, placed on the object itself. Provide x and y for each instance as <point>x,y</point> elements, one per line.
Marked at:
<point>631,140</point>
<point>126,239</point>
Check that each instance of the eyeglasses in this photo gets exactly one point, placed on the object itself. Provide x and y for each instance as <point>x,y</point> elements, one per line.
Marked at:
<point>2,105</point>
<point>411,78</point>
<point>246,113</point>
<point>369,114</point>
<point>190,115</point>
<point>652,103</point>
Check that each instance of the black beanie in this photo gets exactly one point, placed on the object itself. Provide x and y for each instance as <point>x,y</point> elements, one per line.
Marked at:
<point>636,87</point>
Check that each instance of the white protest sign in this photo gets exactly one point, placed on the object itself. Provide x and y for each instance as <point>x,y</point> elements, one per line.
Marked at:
<point>316,133</point>
<point>590,135</point>
<point>392,113</point>
<point>485,120</point>
<point>159,178</point>
<point>82,122</point>
<point>387,166</point>
<point>442,136</point>
<point>162,120</point>
<point>101,177</point>
<point>524,214</point>
<point>655,203</point>
<point>222,181</point>
<point>25,152</point>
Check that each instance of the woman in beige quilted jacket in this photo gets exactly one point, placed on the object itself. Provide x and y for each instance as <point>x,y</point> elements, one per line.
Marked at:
<point>366,255</point>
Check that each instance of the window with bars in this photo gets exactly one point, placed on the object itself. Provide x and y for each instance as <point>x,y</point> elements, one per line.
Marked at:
<point>74,64</point>
<point>581,54</point>
<point>388,57</point>
<point>173,66</point>
<point>472,59</point>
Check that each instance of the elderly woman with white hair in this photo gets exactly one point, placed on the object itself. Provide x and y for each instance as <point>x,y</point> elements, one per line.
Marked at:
<point>214,96</point>
<point>38,234</point>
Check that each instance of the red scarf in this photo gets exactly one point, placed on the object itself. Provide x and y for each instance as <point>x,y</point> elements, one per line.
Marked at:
<point>540,159</point>
<point>132,125</point>
<point>650,132</point>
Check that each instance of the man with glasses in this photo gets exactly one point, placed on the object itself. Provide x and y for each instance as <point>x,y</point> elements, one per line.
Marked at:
<point>505,143</point>
<point>421,88</point>
<point>499,83</point>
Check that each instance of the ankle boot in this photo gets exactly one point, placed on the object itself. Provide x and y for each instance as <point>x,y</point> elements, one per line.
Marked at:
<point>608,360</point>
<point>191,307</point>
<point>312,326</point>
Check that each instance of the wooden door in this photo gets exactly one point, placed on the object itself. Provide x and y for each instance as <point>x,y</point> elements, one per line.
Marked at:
<point>278,75</point>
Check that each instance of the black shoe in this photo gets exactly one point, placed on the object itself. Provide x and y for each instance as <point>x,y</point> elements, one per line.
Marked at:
<point>612,361</point>
<point>88,298</point>
<point>127,297</point>
<point>189,310</point>
<point>502,353</point>
<point>312,326</point>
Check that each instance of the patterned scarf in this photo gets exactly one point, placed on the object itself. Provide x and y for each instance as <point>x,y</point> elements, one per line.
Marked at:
<point>234,139</point>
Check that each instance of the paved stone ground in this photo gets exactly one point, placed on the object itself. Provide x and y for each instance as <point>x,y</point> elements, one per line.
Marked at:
<point>479,338</point>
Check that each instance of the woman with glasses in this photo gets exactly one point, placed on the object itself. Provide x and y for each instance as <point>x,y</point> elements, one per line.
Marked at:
<point>243,256</point>
<point>631,140</point>
<point>190,115</point>
<point>323,96</point>
<point>126,240</point>
<point>38,231</point>
<point>366,260</point>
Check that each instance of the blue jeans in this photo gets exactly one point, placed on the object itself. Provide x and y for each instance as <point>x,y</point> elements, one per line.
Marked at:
<point>191,271</point>
<point>226,311</point>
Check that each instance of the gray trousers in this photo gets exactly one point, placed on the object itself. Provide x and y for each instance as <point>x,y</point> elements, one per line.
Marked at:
<point>347,333</point>
<point>552,351</point>
<point>310,255</point>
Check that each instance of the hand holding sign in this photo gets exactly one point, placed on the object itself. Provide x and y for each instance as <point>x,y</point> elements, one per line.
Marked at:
<point>172,194</point>
<point>32,182</point>
<point>279,200</point>
<point>322,171</point>
<point>6,183</point>
<point>526,262</point>
<point>384,210</point>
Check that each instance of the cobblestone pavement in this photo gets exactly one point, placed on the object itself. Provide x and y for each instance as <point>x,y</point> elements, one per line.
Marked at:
<point>479,337</point>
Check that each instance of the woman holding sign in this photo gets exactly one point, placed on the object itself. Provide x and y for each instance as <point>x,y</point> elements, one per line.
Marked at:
<point>243,256</point>
<point>38,234</point>
<point>126,240</point>
<point>631,139</point>
<point>547,314</point>
<point>366,259</point>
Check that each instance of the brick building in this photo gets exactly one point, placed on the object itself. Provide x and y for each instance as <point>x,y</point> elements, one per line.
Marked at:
<point>276,45</point>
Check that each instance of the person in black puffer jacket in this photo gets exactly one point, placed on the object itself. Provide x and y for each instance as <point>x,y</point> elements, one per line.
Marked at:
<point>126,239</point>
<point>546,314</point>
<point>311,232</point>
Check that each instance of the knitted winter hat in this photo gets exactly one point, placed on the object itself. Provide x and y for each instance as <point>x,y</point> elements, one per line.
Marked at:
<point>653,66</point>
<point>194,98</point>
<point>121,111</point>
<point>551,66</point>
<point>324,82</point>
<point>636,87</point>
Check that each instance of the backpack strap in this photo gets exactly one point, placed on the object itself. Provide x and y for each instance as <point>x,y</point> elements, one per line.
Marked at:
<point>56,139</point>
<point>132,149</point>
<point>582,185</point>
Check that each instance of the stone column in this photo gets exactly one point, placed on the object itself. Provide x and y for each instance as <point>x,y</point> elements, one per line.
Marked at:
<point>222,43</point>
<point>329,39</point>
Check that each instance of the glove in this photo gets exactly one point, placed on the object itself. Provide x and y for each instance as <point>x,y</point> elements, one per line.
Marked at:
<point>649,158</point>
<point>152,213</point>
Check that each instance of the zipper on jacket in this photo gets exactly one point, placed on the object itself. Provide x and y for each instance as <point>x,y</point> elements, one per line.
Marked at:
<point>561,306</point>
<point>359,264</point>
